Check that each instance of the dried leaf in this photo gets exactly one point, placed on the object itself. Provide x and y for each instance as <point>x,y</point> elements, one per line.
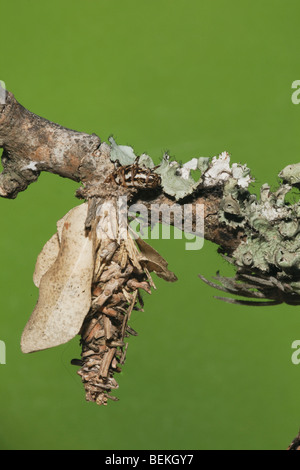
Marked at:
<point>65,289</point>
<point>132,252</point>
<point>153,261</point>
<point>46,259</point>
<point>49,253</point>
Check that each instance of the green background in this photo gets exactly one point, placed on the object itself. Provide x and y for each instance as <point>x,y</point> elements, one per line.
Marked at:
<point>195,78</point>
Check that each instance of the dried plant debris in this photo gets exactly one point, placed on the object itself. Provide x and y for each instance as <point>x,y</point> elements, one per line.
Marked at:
<point>295,444</point>
<point>116,290</point>
<point>268,261</point>
<point>90,281</point>
<point>263,290</point>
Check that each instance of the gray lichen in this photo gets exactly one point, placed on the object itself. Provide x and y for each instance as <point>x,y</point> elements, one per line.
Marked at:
<point>291,174</point>
<point>176,178</point>
<point>269,258</point>
<point>272,227</point>
<point>268,261</point>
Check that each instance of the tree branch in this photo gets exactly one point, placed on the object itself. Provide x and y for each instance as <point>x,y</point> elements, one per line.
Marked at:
<point>32,144</point>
